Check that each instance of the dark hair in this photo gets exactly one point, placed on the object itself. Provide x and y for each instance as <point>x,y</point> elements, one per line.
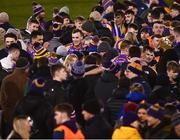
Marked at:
<point>64,15</point>
<point>13,47</point>
<point>10,35</point>
<point>34,34</point>
<point>158,22</point>
<point>77,31</point>
<point>58,19</point>
<point>80,18</point>
<point>129,12</point>
<point>33,20</point>
<point>176,7</point>
<point>143,106</point>
<point>133,25</point>
<point>90,59</point>
<point>147,48</point>
<point>98,57</point>
<point>155,14</point>
<point>134,51</point>
<point>55,68</point>
<point>167,17</point>
<point>119,13</point>
<point>64,107</point>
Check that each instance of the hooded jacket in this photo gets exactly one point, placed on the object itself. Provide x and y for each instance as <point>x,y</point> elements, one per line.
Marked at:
<point>125,132</point>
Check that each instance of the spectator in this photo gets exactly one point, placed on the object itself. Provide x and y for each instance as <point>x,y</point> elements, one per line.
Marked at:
<point>96,126</point>
<point>16,83</point>
<point>66,128</point>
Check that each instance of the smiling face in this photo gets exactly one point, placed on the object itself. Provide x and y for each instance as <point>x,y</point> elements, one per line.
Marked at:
<point>77,38</point>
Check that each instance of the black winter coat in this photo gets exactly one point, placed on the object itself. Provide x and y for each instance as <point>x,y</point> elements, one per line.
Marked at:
<point>55,92</point>
<point>97,128</point>
<point>105,86</point>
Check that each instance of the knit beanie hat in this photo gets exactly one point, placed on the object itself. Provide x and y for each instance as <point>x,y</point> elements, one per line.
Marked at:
<point>14,31</point>
<point>129,118</point>
<point>175,119</point>
<point>22,63</point>
<point>104,47</point>
<point>37,9</point>
<point>107,3</point>
<point>89,27</point>
<point>92,106</point>
<point>156,112</point>
<point>40,51</point>
<point>135,67</point>
<point>130,107</point>
<point>78,69</point>
<point>4,17</point>
<point>95,15</point>
<point>64,9</point>
<point>136,97</point>
<point>61,50</point>
<point>37,85</point>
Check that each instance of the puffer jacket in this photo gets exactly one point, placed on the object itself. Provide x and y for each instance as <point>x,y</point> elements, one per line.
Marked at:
<point>125,132</point>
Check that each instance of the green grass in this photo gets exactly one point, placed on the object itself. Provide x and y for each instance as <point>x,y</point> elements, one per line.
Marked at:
<point>20,10</point>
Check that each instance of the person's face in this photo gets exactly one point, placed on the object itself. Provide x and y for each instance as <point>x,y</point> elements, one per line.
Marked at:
<point>66,22</point>
<point>144,35</point>
<point>28,125</point>
<point>86,115</point>
<point>9,41</point>
<point>38,39</point>
<point>142,114</point>
<point>129,18</point>
<point>78,24</point>
<point>158,29</point>
<point>118,20</point>
<point>76,38</point>
<point>177,130</point>
<point>177,36</point>
<point>62,74</point>
<point>33,27</point>
<point>149,18</point>
<point>171,74</point>
<point>174,13</point>
<point>15,55</point>
<point>156,41</point>
<point>151,121</point>
<point>149,56</point>
<point>58,116</point>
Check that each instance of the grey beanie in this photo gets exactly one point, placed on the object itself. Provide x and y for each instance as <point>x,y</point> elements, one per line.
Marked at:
<point>64,9</point>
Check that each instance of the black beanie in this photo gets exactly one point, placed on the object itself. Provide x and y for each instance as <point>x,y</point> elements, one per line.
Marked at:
<point>92,106</point>
<point>89,27</point>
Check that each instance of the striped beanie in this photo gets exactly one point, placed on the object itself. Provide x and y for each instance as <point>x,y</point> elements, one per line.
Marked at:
<point>40,51</point>
<point>37,9</point>
<point>107,3</point>
<point>135,67</point>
